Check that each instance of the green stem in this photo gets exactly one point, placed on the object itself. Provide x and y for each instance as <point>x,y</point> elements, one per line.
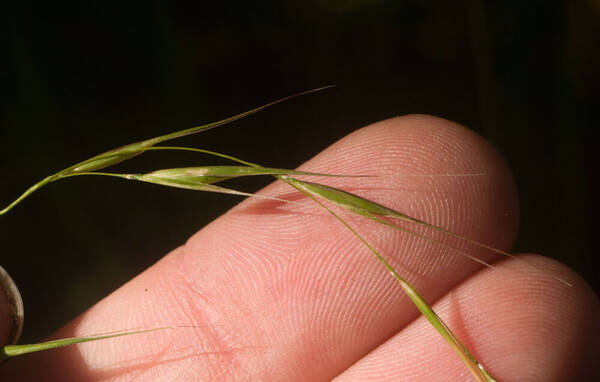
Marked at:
<point>29,191</point>
<point>179,148</point>
<point>14,350</point>
<point>114,175</point>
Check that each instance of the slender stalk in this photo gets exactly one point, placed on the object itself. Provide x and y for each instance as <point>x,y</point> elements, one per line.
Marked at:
<point>28,192</point>
<point>15,350</point>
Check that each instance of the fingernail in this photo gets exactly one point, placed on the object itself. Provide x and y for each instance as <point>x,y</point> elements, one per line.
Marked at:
<point>13,315</point>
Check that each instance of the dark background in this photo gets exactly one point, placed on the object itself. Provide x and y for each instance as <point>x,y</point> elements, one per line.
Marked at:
<point>80,78</point>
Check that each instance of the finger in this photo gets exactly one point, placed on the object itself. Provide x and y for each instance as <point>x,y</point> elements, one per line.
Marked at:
<point>286,292</point>
<point>5,319</point>
<point>11,310</point>
<point>521,324</point>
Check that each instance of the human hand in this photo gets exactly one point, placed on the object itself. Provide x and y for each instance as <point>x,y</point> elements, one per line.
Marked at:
<point>280,291</point>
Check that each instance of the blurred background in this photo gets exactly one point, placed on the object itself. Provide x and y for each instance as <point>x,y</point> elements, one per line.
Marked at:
<point>80,78</point>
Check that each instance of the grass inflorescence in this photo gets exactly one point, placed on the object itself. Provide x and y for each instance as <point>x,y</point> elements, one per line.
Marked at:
<point>204,178</point>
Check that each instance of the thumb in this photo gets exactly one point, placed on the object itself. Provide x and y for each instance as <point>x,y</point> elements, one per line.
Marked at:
<point>11,310</point>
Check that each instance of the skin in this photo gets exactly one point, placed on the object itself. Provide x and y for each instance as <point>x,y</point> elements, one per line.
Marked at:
<point>5,321</point>
<point>281,291</point>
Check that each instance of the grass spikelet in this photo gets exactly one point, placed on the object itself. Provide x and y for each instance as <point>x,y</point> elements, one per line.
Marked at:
<point>373,211</point>
<point>123,153</point>
<point>201,178</point>
<point>118,155</point>
<point>366,207</point>
<point>211,174</point>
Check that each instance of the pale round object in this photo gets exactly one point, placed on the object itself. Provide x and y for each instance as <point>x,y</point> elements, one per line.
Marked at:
<point>11,294</point>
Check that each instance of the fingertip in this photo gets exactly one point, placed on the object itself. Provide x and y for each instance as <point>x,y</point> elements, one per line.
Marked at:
<point>528,323</point>
<point>517,320</point>
<point>11,310</point>
<point>465,185</point>
<point>5,321</point>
